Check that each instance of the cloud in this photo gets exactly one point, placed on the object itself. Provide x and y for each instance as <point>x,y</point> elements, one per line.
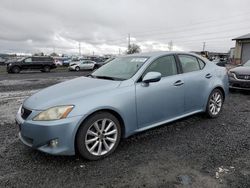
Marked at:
<point>103,26</point>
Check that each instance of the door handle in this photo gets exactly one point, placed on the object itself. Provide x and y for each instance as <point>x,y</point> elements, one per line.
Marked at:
<point>208,76</point>
<point>178,83</point>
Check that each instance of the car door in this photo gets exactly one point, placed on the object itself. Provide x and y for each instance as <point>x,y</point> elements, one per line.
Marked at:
<point>196,81</point>
<point>36,63</point>
<point>83,65</point>
<point>27,63</point>
<point>162,100</point>
<point>91,64</point>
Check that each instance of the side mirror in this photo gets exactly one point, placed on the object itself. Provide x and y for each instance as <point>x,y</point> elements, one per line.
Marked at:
<point>152,77</point>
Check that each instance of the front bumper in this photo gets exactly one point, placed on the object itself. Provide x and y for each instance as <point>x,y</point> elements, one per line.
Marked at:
<point>38,134</point>
<point>235,83</point>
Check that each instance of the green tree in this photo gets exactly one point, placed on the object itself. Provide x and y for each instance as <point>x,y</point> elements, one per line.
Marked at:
<point>133,48</point>
<point>54,54</point>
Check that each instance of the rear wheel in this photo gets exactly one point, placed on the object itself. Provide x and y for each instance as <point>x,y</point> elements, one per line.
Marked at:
<point>99,136</point>
<point>15,69</point>
<point>215,103</point>
<point>46,69</point>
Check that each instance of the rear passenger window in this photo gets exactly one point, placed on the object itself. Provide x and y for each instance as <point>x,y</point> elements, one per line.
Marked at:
<point>165,65</point>
<point>202,64</point>
<point>189,63</point>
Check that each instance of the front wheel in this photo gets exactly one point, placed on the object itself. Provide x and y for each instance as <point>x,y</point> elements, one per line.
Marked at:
<point>77,69</point>
<point>99,136</point>
<point>215,103</point>
<point>16,69</point>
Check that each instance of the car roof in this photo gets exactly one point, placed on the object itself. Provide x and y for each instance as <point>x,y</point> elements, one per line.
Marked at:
<point>159,53</point>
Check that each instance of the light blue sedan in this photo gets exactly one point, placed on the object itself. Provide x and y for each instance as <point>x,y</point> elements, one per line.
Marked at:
<point>130,94</point>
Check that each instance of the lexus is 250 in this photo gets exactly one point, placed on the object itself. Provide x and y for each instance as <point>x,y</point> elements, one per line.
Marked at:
<point>130,94</point>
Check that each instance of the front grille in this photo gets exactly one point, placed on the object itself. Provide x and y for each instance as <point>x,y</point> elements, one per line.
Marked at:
<point>25,113</point>
<point>243,77</point>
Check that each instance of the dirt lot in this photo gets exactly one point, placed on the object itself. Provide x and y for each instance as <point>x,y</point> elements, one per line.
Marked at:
<point>192,152</point>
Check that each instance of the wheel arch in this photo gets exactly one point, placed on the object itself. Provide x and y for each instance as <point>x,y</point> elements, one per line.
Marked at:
<point>111,111</point>
<point>222,91</point>
<point>207,97</point>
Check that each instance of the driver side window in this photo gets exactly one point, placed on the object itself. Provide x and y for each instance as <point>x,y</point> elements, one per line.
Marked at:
<point>28,60</point>
<point>165,65</point>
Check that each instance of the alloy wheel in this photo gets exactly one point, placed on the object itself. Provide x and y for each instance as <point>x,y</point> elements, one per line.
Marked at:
<point>215,103</point>
<point>101,137</point>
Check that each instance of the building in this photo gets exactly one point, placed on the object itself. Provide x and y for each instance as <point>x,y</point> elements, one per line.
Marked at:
<point>242,49</point>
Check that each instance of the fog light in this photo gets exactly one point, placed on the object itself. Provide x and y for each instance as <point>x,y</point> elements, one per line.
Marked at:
<point>53,143</point>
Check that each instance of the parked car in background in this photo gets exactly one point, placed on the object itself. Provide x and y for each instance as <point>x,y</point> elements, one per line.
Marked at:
<point>82,65</point>
<point>42,63</point>
<point>130,94</point>
<point>2,61</point>
<point>220,62</point>
<point>239,77</point>
<point>58,62</point>
<point>66,62</point>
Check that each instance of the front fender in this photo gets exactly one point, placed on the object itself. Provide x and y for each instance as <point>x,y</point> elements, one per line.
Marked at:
<point>120,100</point>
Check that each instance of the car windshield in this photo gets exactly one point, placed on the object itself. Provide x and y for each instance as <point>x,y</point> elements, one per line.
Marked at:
<point>21,59</point>
<point>121,68</point>
<point>247,64</point>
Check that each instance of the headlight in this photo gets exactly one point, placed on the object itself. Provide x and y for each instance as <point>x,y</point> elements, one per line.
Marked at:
<point>54,113</point>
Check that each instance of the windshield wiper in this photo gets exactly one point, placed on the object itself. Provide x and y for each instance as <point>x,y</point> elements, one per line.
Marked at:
<point>105,77</point>
<point>108,77</point>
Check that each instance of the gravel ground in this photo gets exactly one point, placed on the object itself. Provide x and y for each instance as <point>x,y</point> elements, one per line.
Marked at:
<point>192,152</point>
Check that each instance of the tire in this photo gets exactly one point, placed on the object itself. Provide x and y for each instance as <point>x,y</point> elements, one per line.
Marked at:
<point>94,144</point>
<point>77,69</point>
<point>214,104</point>
<point>15,69</point>
<point>46,69</point>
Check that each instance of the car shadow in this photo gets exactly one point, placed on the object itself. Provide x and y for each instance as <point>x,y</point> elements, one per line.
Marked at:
<point>239,91</point>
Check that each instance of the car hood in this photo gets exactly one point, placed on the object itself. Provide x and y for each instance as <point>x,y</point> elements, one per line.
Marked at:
<point>241,70</point>
<point>66,93</point>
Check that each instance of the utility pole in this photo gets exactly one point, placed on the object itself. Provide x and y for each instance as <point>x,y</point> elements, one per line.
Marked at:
<point>79,48</point>
<point>204,46</point>
<point>170,45</point>
<point>128,40</point>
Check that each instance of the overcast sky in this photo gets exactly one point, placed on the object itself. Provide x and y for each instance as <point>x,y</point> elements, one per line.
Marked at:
<point>102,26</point>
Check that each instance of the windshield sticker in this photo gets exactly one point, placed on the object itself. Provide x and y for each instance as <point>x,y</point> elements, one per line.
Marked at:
<point>141,60</point>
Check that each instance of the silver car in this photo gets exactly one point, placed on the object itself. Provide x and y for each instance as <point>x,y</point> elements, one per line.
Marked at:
<point>82,65</point>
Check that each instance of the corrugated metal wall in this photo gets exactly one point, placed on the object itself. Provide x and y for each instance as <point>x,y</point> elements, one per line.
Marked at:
<point>245,52</point>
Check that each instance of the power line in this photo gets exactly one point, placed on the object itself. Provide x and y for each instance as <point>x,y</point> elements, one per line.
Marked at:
<point>202,22</point>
